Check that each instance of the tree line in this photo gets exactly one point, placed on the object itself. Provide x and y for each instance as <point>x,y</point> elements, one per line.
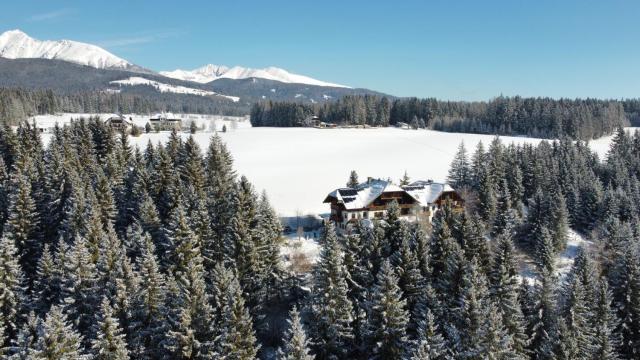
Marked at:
<point>114,252</point>
<point>536,117</point>
<point>18,104</point>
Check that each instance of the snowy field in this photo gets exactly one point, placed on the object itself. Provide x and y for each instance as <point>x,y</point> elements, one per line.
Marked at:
<point>298,167</point>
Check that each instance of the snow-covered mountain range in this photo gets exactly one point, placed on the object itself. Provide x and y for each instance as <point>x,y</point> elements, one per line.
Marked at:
<point>15,44</point>
<point>213,72</point>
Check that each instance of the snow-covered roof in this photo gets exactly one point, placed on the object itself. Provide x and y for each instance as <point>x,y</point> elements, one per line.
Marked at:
<point>425,192</point>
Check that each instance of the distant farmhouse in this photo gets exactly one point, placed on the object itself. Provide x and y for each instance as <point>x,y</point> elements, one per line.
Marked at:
<point>165,121</point>
<point>119,122</point>
<point>370,200</point>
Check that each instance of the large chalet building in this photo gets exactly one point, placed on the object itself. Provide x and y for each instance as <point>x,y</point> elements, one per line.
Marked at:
<point>369,200</point>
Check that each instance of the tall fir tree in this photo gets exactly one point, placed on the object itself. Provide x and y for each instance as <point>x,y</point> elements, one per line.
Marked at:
<point>296,344</point>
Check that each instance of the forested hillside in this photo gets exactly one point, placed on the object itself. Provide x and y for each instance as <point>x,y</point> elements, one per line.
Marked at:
<point>115,253</point>
<point>536,117</point>
<point>17,105</point>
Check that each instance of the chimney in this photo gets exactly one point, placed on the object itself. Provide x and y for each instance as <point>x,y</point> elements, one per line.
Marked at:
<point>369,179</point>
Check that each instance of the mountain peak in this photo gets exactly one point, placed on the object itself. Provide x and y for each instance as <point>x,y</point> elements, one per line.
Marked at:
<point>16,44</point>
<point>211,72</point>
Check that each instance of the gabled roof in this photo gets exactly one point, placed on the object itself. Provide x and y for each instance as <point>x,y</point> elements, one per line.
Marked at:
<point>427,192</point>
<point>361,196</point>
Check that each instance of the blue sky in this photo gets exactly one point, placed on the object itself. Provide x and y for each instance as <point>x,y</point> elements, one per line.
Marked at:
<point>469,50</point>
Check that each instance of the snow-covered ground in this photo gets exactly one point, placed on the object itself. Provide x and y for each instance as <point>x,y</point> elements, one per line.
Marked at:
<point>208,123</point>
<point>564,260</point>
<point>298,167</point>
<point>161,87</point>
<point>300,253</point>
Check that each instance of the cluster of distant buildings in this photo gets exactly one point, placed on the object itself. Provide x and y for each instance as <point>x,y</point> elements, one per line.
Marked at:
<point>158,122</point>
<point>370,200</point>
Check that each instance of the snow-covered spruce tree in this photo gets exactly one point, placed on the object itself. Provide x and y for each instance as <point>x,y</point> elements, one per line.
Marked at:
<point>296,345</point>
<point>12,297</point>
<point>410,278</point>
<point>191,334</point>
<point>544,250</point>
<point>460,169</point>
<point>80,291</point>
<point>58,339</point>
<point>578,319</point>
<point>504,290</point>
<point>192,167</point>
<point>606,340</point>
<point>559,219</point>
<point>478,328</point>
<point>165,180</point>
<point>237,338</point>
<point>109,342</point>
<point>478,163</point>
<point>388,317</point>
<point>487,198</point>
<point>181,244</point>
<point>505,218</point>
<point>270,230</point>
<point>429,344</point>
<point>628,305</point>
<point>23,345</point>
<point>220,182</point>
<point>543,323</point>
<point>353,180</point>
<point>474,241</point>
<point>148,317</point>
<point>22,225</point>
<point>105,202</point>
<point>47,283</point>
<point>331,308</point>
<point>405,180</point>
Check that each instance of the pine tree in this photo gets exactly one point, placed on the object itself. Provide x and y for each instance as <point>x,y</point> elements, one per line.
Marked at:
<point>149,313</point>
<point>12,297</point>
<point>405,179</point>
<point>545,251</point>
<point>543,325</point>
<point>504,290</point>
<point>460,171</point>
<point>577,322</point>
<point>331,308</point>
<point>388,316</point>
<point>237,335</point>
<point>79,287</point>
<point>606,341</point>
<point>505,218</point>
<point>109,342</point>
<point>57,338</point>
<point>296,345</point>
<point>429,345</point>
<point>353,180</point>
<point>22,223</point>
<point>24,344</point>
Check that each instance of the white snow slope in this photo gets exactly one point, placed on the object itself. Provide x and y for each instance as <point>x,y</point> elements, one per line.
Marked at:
<point>135,80</point>
<point>212,72</point>
<point>298,167</point>
<point>15,44</point>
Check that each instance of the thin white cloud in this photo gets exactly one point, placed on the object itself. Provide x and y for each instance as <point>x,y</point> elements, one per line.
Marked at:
<point>51,15</point>
<point>137,39</point>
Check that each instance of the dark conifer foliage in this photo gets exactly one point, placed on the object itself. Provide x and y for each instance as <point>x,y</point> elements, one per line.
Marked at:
<point>167,253</point>
<point>538,117</point>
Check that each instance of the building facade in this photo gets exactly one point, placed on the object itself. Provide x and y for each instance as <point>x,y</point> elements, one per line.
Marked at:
<point>370,200</point>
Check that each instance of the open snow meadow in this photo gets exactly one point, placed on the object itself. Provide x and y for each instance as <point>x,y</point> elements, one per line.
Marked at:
<point>298,167</point>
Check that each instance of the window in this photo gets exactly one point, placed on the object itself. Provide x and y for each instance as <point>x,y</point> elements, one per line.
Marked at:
<point>404,211</point>
<point>365,214</point>
<point>353,216</point>
<point>378,214</point>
